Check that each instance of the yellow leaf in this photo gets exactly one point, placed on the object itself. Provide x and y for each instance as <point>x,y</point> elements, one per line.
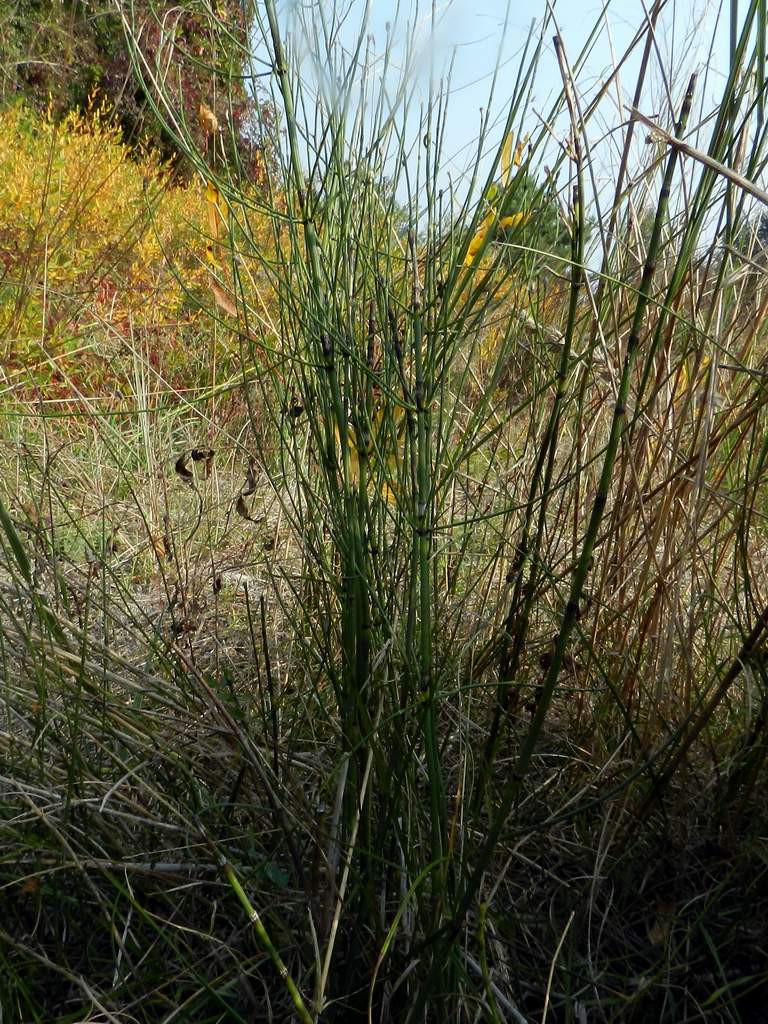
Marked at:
<point>485,229</point>
<point>513,220</point>
<point>217,209</point>
<point>385,490</point>
<point>478,240</point>
<point>506,159</point>
<point>389,492</point>
<point>354,462</point>
<point>681,388</point>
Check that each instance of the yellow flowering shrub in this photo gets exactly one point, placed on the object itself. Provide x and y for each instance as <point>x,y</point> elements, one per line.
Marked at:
<point>98,248</point>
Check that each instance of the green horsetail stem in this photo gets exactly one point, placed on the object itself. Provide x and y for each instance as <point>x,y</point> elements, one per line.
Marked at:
<point>423,542</point>
<point>571,612</point>
<point>255,919</point>
<point>524,594</point>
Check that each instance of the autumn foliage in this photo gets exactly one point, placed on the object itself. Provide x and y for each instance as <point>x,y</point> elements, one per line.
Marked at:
<point>103,251</point>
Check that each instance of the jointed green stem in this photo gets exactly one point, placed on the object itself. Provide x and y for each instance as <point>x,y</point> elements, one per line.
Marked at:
<point>571,613</point>
<point>253,916</point>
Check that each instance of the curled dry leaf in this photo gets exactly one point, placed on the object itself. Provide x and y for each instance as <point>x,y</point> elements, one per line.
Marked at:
<point>242,510</point>
<point>187,624</point>
<point>250,480</point>
<point>182,468</point>
<point>658,932</point>
<point>223,301</point>
<point>250,487</point>
<point>159,546</point>
<point>204,455</point>
<point>208,120</point>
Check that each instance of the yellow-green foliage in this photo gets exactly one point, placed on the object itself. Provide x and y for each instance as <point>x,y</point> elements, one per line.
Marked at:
<point>96,244</point>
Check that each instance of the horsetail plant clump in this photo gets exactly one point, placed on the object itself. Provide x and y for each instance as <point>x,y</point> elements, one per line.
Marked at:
<point>476,725</point>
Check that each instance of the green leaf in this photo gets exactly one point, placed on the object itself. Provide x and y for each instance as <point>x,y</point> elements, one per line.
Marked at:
<point>15,543</point>
<point>491,192</point>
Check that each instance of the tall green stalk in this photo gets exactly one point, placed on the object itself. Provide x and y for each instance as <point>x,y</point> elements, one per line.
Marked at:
<point>528,552</point>
<point>571,612</point>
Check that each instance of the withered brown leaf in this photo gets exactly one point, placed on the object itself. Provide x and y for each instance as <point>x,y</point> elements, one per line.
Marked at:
<point>204,455</point>
<point>183,469</point>
<point>250,480</point>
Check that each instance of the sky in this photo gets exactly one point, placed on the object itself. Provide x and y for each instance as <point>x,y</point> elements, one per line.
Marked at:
<point>691,35</point>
